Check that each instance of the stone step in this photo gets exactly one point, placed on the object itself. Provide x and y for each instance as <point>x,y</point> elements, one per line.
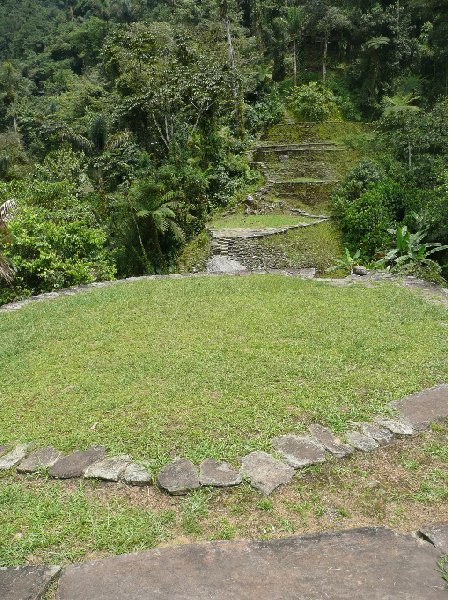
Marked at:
<point>372,563</point>
<point>321,146</point>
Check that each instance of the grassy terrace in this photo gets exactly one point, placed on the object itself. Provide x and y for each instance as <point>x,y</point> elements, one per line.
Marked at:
<point>240,220</point>
<point>211,366</point>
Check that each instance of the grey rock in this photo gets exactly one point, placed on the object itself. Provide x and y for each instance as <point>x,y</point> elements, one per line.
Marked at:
<point>74,464</point>
<point>108,469</point>
<point>359,270</point>
<point>436,534</point>
<point>299,451</point>
<point>382,435</point>
<point>222,264</point>
<point>136,475</point>
<point>399,426</point>
<point>369,563</point>
<point>27,582</point>
<point>307,273</point>
<point>14,457</point>
<point>218,474</point>
<point>265,472</point>
<point>424,407</point>
<point>331,442</point>
<point>179,477</point>
<point>42,458</point>
<point>360,441</point>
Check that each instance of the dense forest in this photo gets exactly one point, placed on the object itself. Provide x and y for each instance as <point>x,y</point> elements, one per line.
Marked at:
<point>125,123</point>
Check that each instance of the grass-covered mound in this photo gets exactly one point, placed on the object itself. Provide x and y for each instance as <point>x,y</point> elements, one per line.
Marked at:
<point>211,366</point>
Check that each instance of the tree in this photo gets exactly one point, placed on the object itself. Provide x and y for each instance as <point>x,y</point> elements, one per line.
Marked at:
<point>334,19</point>
<point>297,22</point>
<point>156,210</point>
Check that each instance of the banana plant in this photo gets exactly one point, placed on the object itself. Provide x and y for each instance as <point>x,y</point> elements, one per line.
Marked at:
<point>409,248</point>
<point>347,262</point>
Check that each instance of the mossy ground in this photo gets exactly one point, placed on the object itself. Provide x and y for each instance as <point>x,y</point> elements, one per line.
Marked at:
<point>317,246</point>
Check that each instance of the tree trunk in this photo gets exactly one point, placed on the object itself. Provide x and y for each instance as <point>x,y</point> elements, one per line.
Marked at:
<point>326,42</point>
<point>238,108</point>
<point>294,64</point>
<point>409,148</point>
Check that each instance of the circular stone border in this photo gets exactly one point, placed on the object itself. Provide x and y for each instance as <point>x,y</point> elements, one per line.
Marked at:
<point>366,278</point>
<point>413,414</point>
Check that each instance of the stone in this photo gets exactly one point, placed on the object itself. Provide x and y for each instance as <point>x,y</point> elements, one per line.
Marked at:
<point>14,456</point>
<point>382,435</point>
<point>398,426</point>
<point>108,469</point>
<point>136,475</point>
<point>179,477</point>
<point>265,472</point>
<point>27,582</point>
<point>74,464</point>
<point>299,451</point>
<point>436,534</point>
<point>223,264</point>
<point>218,474</point>
<point>307,273</point>
<point>42,458</point>
<point>370,563</point>
<point>360,441</point>
<point>424,407</point>
<point>331,442</point>
<point>359,270</point>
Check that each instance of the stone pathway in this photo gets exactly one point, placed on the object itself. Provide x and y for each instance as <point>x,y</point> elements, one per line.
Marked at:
<point>264,471</point>
<point>372,563</point>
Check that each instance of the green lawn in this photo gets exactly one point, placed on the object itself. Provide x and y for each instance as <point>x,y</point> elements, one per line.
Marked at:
<point>240,220</point>
<point>211,366</point>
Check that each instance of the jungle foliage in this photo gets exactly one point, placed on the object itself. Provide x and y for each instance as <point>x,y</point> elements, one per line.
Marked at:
<point>124,123</point>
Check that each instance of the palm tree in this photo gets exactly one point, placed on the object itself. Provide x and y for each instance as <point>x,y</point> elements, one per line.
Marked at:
<point>155,208</point>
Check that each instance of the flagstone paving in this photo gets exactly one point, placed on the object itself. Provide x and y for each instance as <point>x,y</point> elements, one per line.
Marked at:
<point>436,534</point>
<point>29,582</point>
<point>368,563</point>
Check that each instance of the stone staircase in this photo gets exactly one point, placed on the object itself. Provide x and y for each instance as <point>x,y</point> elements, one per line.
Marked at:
<point>299,177</point>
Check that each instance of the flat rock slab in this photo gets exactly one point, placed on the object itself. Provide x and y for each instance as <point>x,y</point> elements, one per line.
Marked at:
<point>14,457</point>
<point>369,563</point>
<point>361,442</point>
<point>380,434</point>
<point>136,475</point>
<point>179,477</point>
<point>331,442</point>
<point>74,464</point>
<point>42,458</point>
<point>223,264</point>
<point>265,472</point>
<point>218,473</point>
<point>307,273</point>
<point>436,534</point>
<point>108,469</point>
<point>424,407</point>
<point>399,426</point>
<point>299,451</point>
<point>26,583</point>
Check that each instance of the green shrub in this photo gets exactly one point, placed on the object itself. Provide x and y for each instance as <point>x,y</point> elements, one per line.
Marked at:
<point>313,102</point>
<point>48,252</point>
